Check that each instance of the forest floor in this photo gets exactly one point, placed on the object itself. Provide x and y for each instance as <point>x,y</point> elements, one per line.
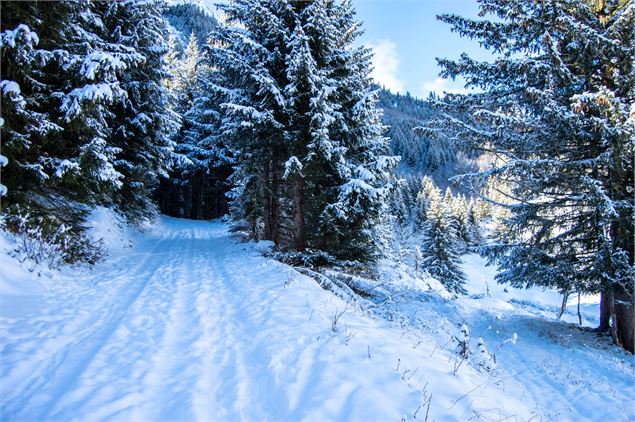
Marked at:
<point>184,322</point>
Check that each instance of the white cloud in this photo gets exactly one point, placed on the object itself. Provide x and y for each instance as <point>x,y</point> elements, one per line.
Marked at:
<point>385,65</point>
<point>440,85</point>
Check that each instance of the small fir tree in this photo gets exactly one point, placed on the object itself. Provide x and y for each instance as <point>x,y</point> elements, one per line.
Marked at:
<point>440,246</point>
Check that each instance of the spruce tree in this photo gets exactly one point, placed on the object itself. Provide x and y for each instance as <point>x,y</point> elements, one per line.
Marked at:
<point>301,115</point>
<point>58,85</point>
<point>194,189</point>
<point>424,196</point>
<point>555,110</point>
<point>208,158</point>
<point>460,213</point>
<point>350,220</point>
<point>143,124</point>
<point>440,245</point>
<point>250,50</point>
<point>60,80</point>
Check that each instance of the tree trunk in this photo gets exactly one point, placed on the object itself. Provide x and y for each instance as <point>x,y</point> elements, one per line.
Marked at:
<point>624,320</point>
<point>298,214</point>
<point>201,196</point>
<point>563,306</point>
<point>275,202</point>
<point>606,297</point>
<point>266,203</point>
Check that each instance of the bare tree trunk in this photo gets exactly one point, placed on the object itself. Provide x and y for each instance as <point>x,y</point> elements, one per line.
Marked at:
<point>275,204</point>
<point>579,314</point>
<point>201,195</point>
<point>266,202</point>
<point>298,214</point>
<point>605,311</point>
<point>624,320</point>
<point>565,298</point>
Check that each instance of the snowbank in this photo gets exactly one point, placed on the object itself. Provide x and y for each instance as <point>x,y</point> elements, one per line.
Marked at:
<point>20,291</point>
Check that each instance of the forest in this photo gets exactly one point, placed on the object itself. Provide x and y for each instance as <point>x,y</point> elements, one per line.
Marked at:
<point>263,115</point>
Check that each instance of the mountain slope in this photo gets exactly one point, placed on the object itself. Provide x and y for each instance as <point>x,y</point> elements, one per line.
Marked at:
<point>419,155</point>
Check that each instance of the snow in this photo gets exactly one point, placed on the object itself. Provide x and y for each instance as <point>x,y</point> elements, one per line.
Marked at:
<point>8,37</point>
<point>100,60</point>
<point>20,292</point>
<point>357,186</point>
<point>95,93</point>
<point>110,227</point>
<point>191,324</point>
<point>66,166</point>
<point>10,87</point>
<point>292,166</point>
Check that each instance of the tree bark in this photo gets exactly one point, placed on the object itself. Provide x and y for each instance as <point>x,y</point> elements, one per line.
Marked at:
<point>298,214</point>
<point>563,306</point>
<point>605,311</point>
<point>624,320</point>
<point>275,202</point>
<point>266,202</point>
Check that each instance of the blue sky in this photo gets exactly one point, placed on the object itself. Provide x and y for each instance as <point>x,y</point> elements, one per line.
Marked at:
<point>406,38</point>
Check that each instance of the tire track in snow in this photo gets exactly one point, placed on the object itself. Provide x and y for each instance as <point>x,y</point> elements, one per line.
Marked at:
<point>201,332</point>
<point>177,365</point>
<point>218,387</point>
<point>129,357</point>
<point>257,392</point>
<point>37,394</point>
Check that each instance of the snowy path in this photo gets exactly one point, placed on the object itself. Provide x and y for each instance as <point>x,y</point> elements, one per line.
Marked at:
<point>192,325</point>
<point>189,327</point>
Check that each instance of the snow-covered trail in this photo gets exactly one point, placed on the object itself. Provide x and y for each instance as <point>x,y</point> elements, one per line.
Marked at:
<point>191,324</point>
<point>187,327</point>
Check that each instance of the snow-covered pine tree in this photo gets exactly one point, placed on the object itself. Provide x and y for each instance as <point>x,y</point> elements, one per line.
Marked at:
<point>460,210</point>
<point>250,50</point>
<point>57,87</point>
<point>184,74</point>
<point>440,245</point>
<point>301,114</point>
<point>209,160</point>
<point>474,221</point>
<point>310,116</point>
<point>187,191</point>
<point>143,124</point>
<point>60,77</point>
<point>424,196</point>
<point>555,108</point>
<point>171,66</point>
<point>350,220</point>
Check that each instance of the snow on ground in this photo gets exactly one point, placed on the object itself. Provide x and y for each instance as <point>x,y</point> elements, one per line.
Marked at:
<point>190,324</point>
<point>19,290</point>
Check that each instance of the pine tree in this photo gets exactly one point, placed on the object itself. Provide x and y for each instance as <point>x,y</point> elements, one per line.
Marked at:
<point>254,77</point>
<point>301,115</point>
<point>57,88</point>
<point>184,73</point>
<point>143,124</point>
<point>209,159</point>
<point>555,109</point>
<point>440,246</point>
<point>474,221</point>
<point>424,196</point>
<point>60,79</point>
<point>350,220</point>
<point>460,210</point>
<point>186,193</point>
